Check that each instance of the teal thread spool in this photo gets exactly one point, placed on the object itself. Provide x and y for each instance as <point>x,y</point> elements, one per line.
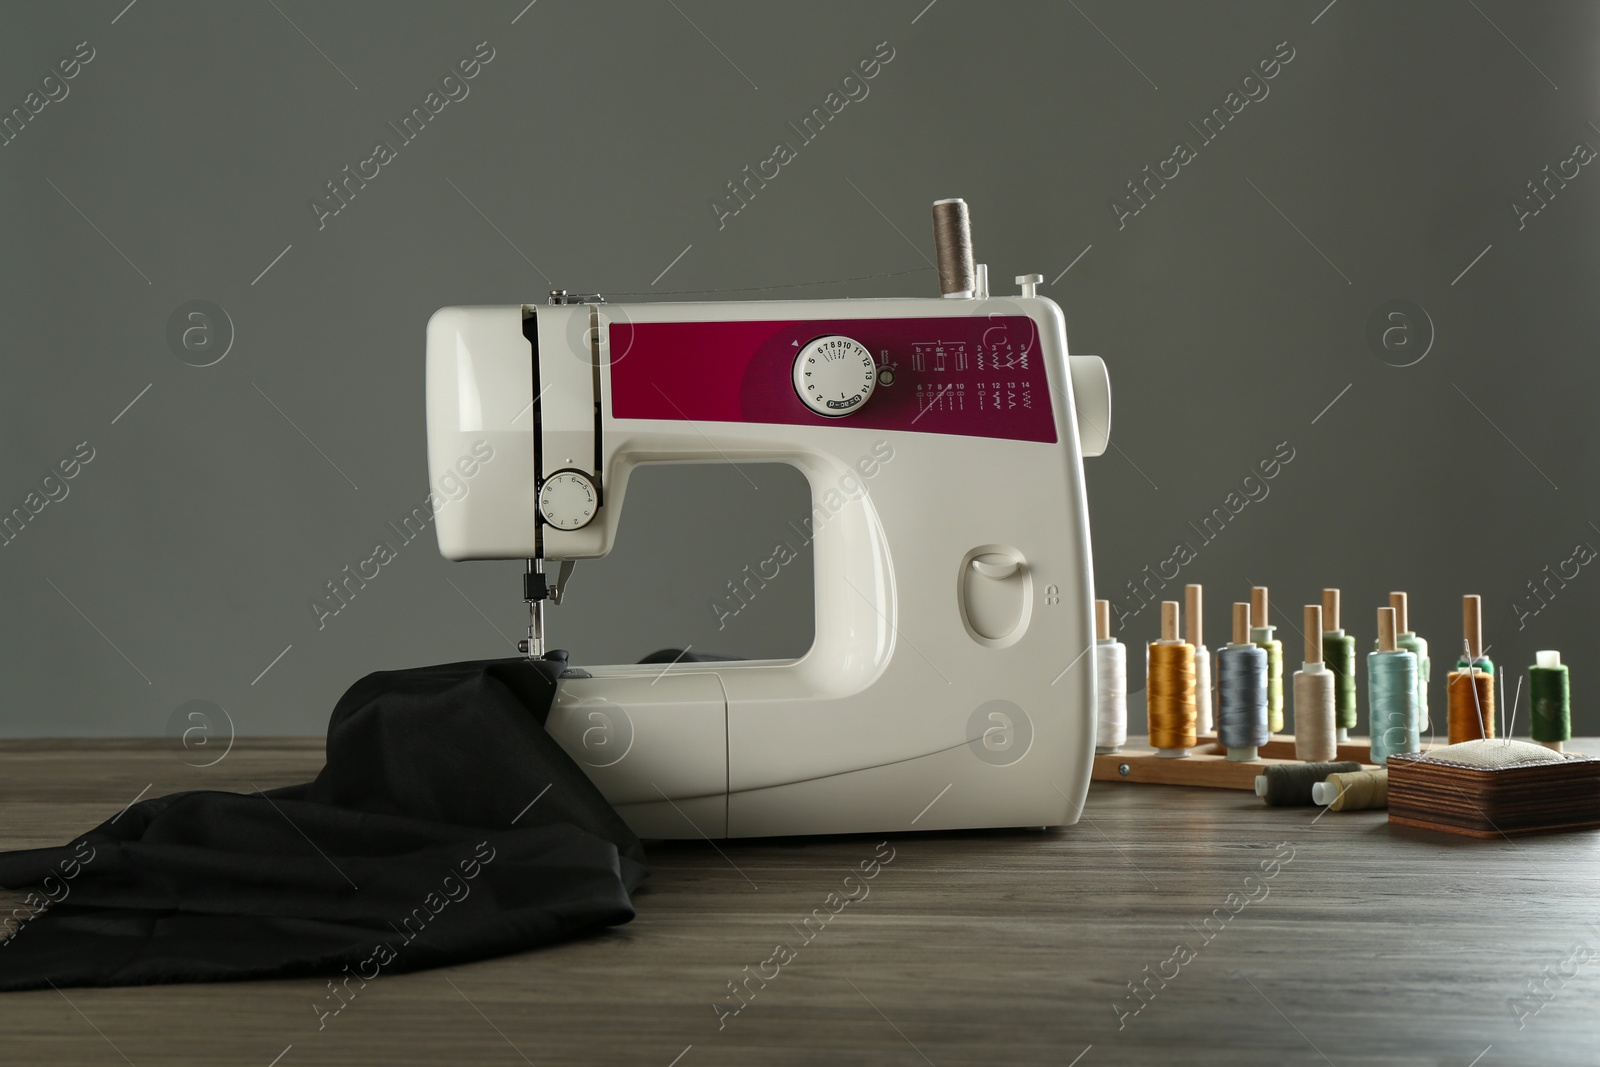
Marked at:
<point>1550,688</point>
<point>1410,642</point>
<point>1261,635</point>
<point>1392,693</point>
<point>1339,653</point>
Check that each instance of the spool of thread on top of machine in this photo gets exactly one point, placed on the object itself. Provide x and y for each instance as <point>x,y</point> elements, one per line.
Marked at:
<point>1339,653</point>
<point>1169,689</point>
<point>1551,693</point>
<point>1111,680</point>
<point>952,244</point>
<point>1242,691</point>
<point>1315,736</point>
<point>1392,693</point>
<point>1469,688</point>
<point>1194,604</point>
<point>1261,634</point>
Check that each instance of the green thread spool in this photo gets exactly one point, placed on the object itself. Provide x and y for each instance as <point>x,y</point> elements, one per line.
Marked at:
<point>1288,785</point>
<point>1550,690</point>
<point>1482,663</point>
<point>1339,653</point>
<point>1261,637</point>
<point>1392,700</point>
<point>1418,647</point>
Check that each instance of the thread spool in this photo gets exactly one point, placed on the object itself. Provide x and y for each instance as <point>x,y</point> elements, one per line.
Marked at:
<point>1169,689</point>
<point>1195,630</point>
<point>1261,634</point>
<point>1472,635</point>
<point>1550,691</point>
<point>1315,736</point>
<point>1111,683</point>
<point>1339,653</point>
<point>1470,696</point>
<point>1392,693</point>
<point>952,244</point>
<point>1242,691</point>
<point>1353,791</point>
<point>1417,646</point>
<point>1288,785</point>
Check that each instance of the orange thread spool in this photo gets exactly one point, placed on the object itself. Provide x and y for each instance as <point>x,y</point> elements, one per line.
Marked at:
<point>1169,688</point>
<point>1471,693</point>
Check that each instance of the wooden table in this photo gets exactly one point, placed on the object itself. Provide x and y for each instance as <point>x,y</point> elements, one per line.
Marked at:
<point>1364,944</point>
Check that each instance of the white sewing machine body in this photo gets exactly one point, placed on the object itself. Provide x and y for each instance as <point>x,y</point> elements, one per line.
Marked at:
<point>948,685</point>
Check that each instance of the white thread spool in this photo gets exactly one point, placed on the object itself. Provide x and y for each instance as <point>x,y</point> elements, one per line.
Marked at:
<point>1111,684</point>
<point>1315,734</point>
<point>1202,660</point>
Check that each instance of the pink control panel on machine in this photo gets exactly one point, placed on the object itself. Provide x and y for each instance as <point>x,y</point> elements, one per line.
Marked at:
<point>977,377</point>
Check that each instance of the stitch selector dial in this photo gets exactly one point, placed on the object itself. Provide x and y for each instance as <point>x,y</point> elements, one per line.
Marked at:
<point>568,500</point>
<point>834,375</point>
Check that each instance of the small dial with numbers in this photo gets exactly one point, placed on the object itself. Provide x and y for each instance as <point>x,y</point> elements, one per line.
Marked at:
<point>568,500</point>
<point>834,375</point>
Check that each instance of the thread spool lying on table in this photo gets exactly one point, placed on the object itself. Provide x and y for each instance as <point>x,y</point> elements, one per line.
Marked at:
<point>1472,635</point>
<point>1242,691</point>
<point>1470,689</point>
<point>1314,730</point>
<point>1169,689</point>
<point>1550,690</point>
<point>1111,683</point>
<point>1392,693</point>
<point>1353,791</point>
<point>1339,653</point>
<point>1262,634</point>
<point>1195,628</point>
<point>1288,785</point>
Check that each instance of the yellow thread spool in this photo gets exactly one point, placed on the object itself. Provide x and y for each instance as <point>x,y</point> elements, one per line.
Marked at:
<point>1169,689</point>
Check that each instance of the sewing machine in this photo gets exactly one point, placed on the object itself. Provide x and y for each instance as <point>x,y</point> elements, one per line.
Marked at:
<point>950,683</point>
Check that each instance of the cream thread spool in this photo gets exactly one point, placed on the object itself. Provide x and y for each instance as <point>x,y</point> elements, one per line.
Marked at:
<point>1357,791</point>
<point>1194,603</point>
<point>1111,689</point>
<point>1169,689</point>
<point>1262,634</point>
<point>1315,736</point>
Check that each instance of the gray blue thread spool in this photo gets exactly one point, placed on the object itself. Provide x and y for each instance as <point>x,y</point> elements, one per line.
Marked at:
<point>1242,691</point>
<point>1392,694</point>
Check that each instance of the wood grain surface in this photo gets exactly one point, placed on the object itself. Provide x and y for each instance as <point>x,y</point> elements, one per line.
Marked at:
<point>1362,944</point>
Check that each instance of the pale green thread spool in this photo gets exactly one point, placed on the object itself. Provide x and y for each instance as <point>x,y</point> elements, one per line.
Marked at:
<point>1550,690</point>
<point>1405,639</point>
<point>1392,698</point>
<point>1261,634</point>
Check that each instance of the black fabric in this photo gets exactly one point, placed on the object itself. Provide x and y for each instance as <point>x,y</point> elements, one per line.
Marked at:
<point>678,655</point>
<point>446,826</point>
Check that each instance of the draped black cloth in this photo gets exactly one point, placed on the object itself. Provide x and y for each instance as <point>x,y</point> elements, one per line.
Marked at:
<point>447,826</point>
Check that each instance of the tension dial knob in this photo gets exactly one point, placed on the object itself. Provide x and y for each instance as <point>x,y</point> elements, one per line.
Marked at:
<point>834,375</point>
<point>568,500</point>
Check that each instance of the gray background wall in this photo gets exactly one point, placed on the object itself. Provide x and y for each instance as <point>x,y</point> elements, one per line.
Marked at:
<point>1232,310</point>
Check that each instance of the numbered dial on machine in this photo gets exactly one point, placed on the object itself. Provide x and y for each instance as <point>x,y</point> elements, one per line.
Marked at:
<point>568,500</point>
<point>834,375</point>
